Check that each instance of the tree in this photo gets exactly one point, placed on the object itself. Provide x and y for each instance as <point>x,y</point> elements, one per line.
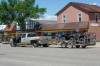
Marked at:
<point>19,10</point>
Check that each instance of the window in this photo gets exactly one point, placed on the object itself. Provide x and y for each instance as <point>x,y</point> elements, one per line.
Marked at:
<point>23,35</point>
<point>31,35</point>
<point>97,17</point>
<point>64,19</point>
<point>79,17</point>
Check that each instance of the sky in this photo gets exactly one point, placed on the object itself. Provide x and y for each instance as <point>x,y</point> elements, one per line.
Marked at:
<point>53,6</point>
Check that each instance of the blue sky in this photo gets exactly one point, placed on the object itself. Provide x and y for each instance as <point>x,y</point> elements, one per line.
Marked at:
<point>53,6</point>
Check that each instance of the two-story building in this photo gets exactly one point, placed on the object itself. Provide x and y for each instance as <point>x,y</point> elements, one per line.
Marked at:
<point>80,12</point>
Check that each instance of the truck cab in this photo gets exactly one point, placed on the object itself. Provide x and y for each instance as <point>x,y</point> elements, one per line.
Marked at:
<point>28,37</point>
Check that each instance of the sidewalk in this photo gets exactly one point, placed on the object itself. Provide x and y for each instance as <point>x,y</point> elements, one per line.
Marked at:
<point>97,45</point>
<point>8,46</point>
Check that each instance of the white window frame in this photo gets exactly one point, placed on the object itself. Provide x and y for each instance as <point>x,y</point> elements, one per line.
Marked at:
<point>97,17</point>
<point>79,17</point>
<point>64,19</point>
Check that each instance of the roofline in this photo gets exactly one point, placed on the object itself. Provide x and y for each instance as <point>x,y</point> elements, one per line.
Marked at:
<point>70,4</point>
<point>63,8</point>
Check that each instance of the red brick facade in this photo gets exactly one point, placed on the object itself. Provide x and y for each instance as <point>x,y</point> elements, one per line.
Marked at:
<point>79,12</point>
<point>71,15</point>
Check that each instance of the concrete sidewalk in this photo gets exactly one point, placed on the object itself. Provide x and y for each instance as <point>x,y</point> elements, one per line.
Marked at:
<point>97,44</point>
<point>8,46</point>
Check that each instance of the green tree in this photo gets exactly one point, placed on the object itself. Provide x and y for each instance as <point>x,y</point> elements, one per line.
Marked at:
<point>19,10</point>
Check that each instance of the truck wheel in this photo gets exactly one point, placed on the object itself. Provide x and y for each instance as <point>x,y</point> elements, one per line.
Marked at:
<point>70,46</point>
<point>11,44</point>
<point>84,46</point>
<point>77,46</point>
<point>93,41</point>
<point>70,43</point>
<point>63,45</point>
<point>45,45</point>
<point>35,45</point>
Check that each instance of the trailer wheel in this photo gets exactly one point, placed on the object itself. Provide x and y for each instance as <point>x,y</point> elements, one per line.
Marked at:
<point>45,45</point>
<point>84,46</point>
<point>77,46</point>
<point>63,45</point>
<point>93,41</point>
<point>70,46</point>
<point>70,43</point>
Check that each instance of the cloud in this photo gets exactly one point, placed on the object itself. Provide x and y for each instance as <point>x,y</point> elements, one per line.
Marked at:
<point>48,17</point>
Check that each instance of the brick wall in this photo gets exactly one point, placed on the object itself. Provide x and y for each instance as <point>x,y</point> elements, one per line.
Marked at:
<point>95,29</point>
<point>71,15</point>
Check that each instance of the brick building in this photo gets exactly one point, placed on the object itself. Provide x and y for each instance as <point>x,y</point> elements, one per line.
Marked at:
<point>80,12</point>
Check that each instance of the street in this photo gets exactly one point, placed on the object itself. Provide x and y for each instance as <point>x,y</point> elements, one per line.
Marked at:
<point>52,56</point>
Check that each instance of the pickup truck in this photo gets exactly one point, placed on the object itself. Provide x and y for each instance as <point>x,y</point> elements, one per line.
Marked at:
<point>30,39</point>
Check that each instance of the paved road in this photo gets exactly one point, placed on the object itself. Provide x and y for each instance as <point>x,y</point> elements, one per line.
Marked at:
<point>28,56</point>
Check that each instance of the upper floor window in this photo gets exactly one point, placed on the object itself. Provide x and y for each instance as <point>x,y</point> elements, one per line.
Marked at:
<point>97,17</point>
<point>64,19</point>
<point>79,17</point>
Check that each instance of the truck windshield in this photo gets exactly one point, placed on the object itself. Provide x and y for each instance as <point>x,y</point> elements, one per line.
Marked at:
<point>23,35</point>
<point>31,35</point>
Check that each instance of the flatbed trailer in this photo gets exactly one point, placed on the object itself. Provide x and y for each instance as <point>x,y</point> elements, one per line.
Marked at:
<point>67,34</point>
<point>75,34</point>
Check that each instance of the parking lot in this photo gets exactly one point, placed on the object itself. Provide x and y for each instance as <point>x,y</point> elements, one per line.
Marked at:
<point>52,56</point>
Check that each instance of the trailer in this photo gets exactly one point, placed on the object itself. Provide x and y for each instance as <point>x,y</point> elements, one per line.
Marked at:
<point>78,39</point>
<point>64,34</point>
<point>70,35</point>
